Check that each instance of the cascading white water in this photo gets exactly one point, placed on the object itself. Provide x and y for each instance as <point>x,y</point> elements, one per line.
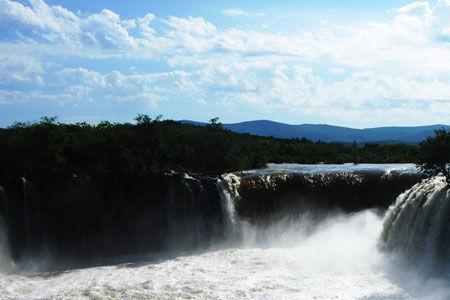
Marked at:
<point>418,225</point>
<point>228,187</point>
<point>337,258</point>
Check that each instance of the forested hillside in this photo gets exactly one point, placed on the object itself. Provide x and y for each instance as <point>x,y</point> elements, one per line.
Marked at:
<point>153,146</point>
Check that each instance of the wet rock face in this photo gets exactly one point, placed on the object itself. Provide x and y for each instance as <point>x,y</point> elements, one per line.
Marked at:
<point>264,198</point>
<point>80,219</point>
<point>83,218</point>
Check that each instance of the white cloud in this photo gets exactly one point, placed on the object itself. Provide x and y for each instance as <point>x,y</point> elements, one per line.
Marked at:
<point>399,65</point>
<point>83,76</point>
<point>15,68</point>
<point>119,87</point>
<point>144,24</point>
<point>38,15</point>
<point>53,23</point>
<point>337,71</point>
<point>233,12</point>
<point>418,25</point>
<point>237,12</point>
<point>59,26</point>
<point>106,30</point>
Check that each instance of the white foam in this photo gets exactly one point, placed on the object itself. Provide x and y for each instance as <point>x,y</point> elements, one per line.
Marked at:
<point>338,261</point>
<point>333,168</point>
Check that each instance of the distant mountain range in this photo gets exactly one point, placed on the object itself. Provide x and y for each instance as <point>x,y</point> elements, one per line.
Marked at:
<point>329,133</point>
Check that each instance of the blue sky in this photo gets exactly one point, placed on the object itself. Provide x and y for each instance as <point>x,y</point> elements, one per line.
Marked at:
<point>351,63</point>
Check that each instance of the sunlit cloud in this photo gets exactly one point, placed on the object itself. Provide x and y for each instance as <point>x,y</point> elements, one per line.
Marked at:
<point>237,12</point>
<point>334,71</point>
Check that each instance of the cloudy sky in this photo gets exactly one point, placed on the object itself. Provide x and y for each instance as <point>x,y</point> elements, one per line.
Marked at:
<point>353,63</point>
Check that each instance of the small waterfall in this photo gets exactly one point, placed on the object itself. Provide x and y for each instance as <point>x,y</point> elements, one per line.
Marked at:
<point>193,189</point>
<point>228,187</point>
<point>5,259</point>
<point>192,211</point>
<point>178,209</point>
<point>32,219</point>
<point>418,225</point>
<point>79,195</point>
<point>5,254</point>
<point>33,253</point>
<point>26,212</point>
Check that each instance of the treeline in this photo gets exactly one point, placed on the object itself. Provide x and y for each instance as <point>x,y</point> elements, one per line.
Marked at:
<point>153,145</point>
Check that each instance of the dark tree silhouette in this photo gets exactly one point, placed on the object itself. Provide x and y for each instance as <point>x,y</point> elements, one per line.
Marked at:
<point>153,145</point>
<point>434,154</point>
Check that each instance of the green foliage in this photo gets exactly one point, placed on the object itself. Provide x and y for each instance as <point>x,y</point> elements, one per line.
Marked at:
<point>48,120</point>
<point>142,119</point>
<point>214,123</point>
<point>153,145</point>
<point>434,154</point>
<point>355,151</point>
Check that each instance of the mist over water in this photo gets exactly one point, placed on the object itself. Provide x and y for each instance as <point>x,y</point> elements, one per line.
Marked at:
<point>338,259</point>
<point>362,255</point>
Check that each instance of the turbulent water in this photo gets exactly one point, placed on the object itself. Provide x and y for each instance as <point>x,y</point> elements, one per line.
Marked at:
<point>344,256</point>
<point>339,260</point>
<point>418,225</point>
<point>333,168</point>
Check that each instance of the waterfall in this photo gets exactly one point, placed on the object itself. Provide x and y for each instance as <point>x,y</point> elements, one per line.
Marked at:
<point>75,219</point>
<point>26,212</point>
<point>32,219</point>
<point>79,194</point>
<point>228,187</point>
<point>5,258</point>
<point>418,225</point>
<point>193,190</point>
